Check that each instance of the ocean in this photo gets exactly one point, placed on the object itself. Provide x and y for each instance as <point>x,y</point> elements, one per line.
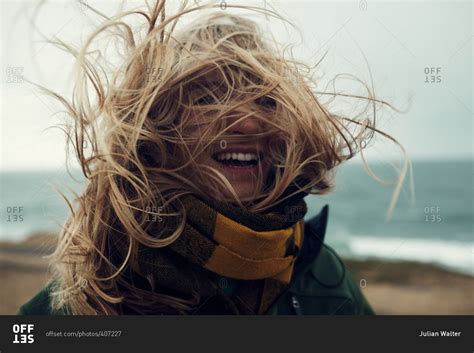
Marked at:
<point>435,227</point>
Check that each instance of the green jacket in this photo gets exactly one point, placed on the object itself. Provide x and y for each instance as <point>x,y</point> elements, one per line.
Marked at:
<point>320,284</point>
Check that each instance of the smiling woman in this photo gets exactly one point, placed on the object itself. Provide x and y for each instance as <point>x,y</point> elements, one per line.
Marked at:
<point>232,153</point>
<point>197,176</point>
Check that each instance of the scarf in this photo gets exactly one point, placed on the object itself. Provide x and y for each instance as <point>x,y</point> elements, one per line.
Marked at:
<point>230,260</point>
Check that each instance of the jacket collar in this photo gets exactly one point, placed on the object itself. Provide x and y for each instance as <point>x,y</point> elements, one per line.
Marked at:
<point>315,230</point>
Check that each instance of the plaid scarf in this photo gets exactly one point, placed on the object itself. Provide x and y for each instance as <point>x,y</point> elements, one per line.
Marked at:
<point>222,244</point>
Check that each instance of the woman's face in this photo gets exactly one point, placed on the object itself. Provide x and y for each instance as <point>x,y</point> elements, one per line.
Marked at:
<point>243,163</point>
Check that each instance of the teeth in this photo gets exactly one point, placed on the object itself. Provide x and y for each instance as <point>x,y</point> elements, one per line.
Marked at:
<point>237,156</point>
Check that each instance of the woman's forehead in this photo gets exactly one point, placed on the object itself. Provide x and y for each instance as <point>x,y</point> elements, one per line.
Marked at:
<point>223,77</point>
<point>211,76</point>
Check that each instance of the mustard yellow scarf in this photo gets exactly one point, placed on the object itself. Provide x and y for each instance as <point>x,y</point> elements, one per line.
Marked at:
<point>222,244</point>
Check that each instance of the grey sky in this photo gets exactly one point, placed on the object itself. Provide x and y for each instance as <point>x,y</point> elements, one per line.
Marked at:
<point>400,40</point>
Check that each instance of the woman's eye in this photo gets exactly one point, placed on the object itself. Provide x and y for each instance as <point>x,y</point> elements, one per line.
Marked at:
<point>266,102</point>
<point>204,100</point>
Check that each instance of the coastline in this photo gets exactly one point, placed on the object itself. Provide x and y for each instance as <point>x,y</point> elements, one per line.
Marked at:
<point>391,287</point>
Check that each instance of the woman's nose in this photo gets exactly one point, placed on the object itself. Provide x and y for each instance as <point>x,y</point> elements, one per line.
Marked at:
<point>247,126</point>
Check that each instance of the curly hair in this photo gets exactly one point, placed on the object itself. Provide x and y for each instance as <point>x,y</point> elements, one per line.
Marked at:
<point>133,114</point>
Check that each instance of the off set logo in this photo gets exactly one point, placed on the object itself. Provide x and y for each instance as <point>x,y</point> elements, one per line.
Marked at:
<point>23,333</point>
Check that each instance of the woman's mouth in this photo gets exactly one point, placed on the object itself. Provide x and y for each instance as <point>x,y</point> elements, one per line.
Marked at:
<point>238,160</point>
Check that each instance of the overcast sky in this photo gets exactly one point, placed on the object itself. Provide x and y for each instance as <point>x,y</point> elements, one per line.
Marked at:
<point>400,40</point>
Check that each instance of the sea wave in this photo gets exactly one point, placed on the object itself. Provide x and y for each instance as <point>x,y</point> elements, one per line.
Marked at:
<point>453,255</point>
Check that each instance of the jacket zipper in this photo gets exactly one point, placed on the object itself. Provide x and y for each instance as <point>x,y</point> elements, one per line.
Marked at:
<point>296,305</point>
<point>296,276</point>
<point>287,291</point>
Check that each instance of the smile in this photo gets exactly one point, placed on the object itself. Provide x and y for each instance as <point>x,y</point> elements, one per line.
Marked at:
<point>238,159</point>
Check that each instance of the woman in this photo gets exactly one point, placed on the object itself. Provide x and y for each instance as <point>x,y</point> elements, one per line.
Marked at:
<point>199,151</point>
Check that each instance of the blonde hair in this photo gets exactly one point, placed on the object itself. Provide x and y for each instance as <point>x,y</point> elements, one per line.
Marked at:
<point>131,137</point>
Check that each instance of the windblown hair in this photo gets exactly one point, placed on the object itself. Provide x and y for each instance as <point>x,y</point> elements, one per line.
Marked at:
<point>135,138</point>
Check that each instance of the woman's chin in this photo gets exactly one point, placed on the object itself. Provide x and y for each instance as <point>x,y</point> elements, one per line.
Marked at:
<point>246,192</point>
<point>244,181</point>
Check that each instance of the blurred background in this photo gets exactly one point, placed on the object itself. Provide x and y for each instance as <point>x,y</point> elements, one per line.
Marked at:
<point>415,55</point>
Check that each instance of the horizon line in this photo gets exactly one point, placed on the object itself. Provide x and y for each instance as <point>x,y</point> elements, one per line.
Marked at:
<point>358,161</point>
